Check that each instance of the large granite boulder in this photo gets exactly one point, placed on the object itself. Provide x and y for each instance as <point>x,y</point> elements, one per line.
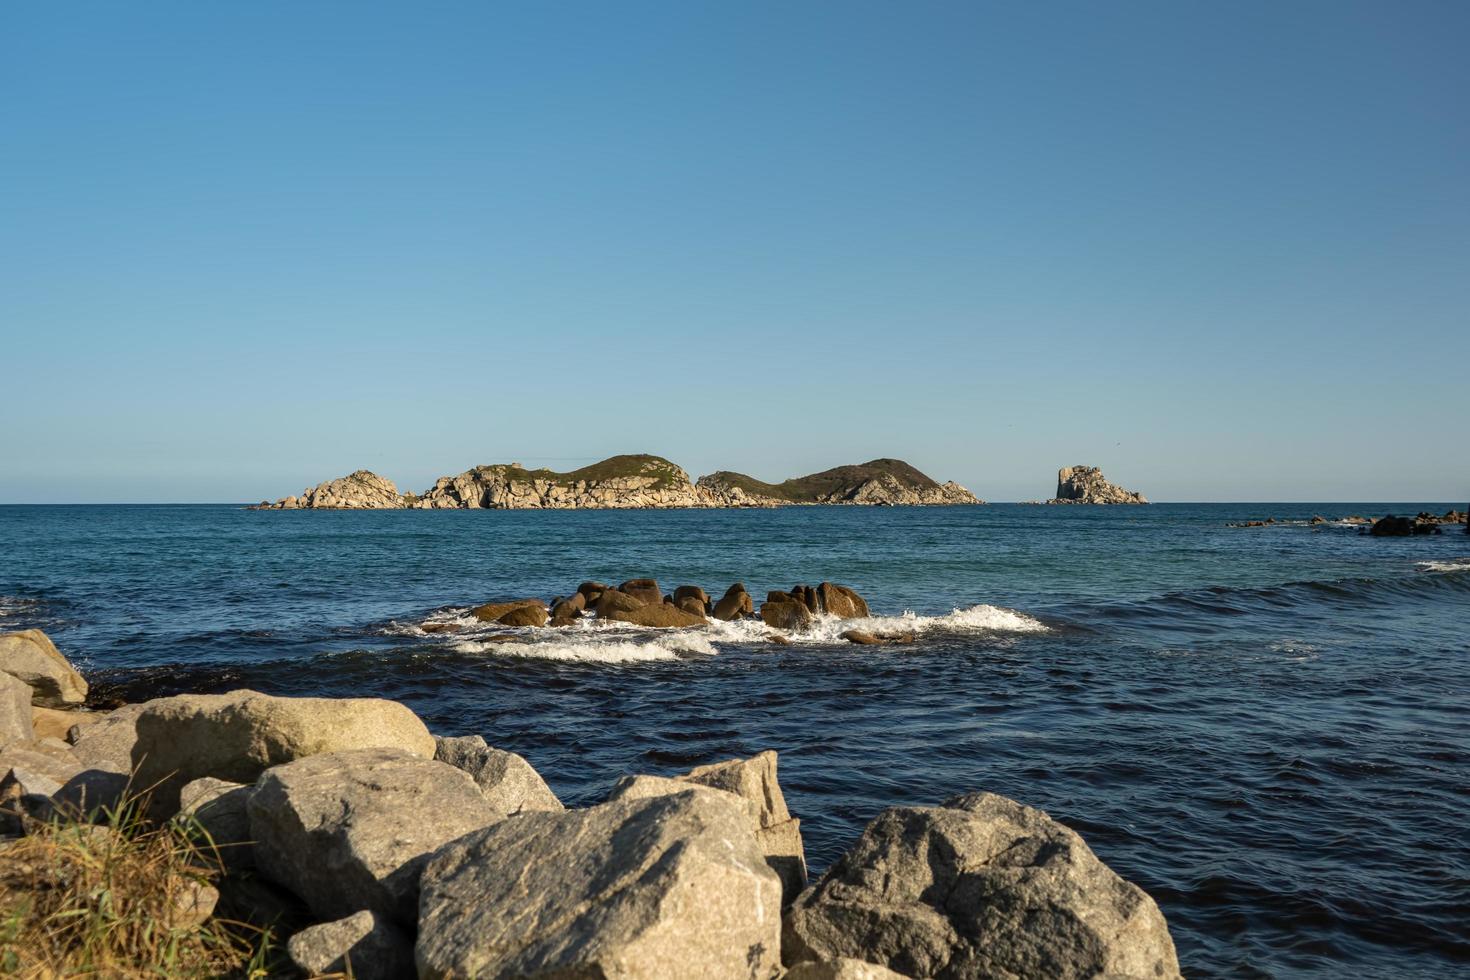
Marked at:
<point>504,778</point>
<point>239,735</point>
<point>979,887</point>
<point>350,830</point>
<point>841,968</point>
<point>31,656</point>
<point>842,602</point>
<point>108,742</point>
<point>672,886</point>
<point>362,946</point>
<point>735,603</point>
<point>691,592</point>
<point>664,615</point>
<point>782,612</point>
<point>218,812</point>
<point>15,710</point>
<point>491,612</point>
<point>611,602</point>
<point>524,616</point>
<point>58,722</point>
<point>645,590</point>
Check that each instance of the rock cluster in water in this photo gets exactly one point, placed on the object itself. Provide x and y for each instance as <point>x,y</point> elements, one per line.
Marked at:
<point>385,850</point>
<point>639,481</point>
<point>1087,485</point>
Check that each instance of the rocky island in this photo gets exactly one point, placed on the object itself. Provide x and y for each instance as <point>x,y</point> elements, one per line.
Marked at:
<point>1087,485</point>
<point>632,481</point>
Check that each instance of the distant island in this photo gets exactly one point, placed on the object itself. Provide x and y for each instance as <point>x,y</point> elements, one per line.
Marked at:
<point>629,482</point>
<point>1087,485</point>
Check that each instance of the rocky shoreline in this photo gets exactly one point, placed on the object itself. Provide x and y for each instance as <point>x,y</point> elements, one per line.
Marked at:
<point>367,842</point>
<point>1388,526</point>
<point>631,482</point>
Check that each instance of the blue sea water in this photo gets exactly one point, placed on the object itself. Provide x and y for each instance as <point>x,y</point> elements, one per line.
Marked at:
<point>1268,729</point>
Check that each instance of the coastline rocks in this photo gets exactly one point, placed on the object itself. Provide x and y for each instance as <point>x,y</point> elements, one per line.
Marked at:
<point>221,810</point>
<point>350,830</point>
<point>979,887</point>
<point>362,490</point>
<point>58,723</point>
<point>1087,485</point>
<point>691,592</point>
<point>664,615</point>
<point>864,638</point>
<point>362,946</point>
<point>108,742</point>
<point>505,779</point>
<point>841,968</point>
<point>878,482</point>
<point>661,887</point>
<point>612,601</point>
<point>842,602</point>
<point>491,612</point>
<point>735,603</point>
<point>1402,527</point>
<point>524,616</point>
<point>239,735</point>
<point>782,612</point>
<point>15,710</point>
<point>636,481</point>
<point>645,590</point>
<point>31,656</point>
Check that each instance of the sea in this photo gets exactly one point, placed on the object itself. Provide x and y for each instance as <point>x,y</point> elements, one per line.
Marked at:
<point>1268,729</point>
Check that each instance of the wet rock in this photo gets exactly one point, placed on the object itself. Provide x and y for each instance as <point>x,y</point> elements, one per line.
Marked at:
<point>612,602</point>
<point>505,779</point>
<point>31,656</point>
<point>864,638</point>
<point>239,735</point>
<point>524,616</point>
<point>491,612</point>
<point>350,830</point>
<point>735,603</point>
<point>979,887</point>
<point>645,590</point>
<point>788,615</point>
<point>569,609</point>
<point>661,616</point>
<point>590,591</point>
<point>842,602</point>
<point>691,592</point>
<point>673,886</point>
<point>691,605</point>
<point>361,945</point>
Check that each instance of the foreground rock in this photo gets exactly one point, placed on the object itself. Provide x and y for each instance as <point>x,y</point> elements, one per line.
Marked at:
<point>1087,485</point>
<point>673,886</point>
<point>31,656</point>
<point>979,887</point>
<point>362,946</point>
<point>239,735</point>
<point>15,710</point>
<point>505,779</point>
<point>350,830</point>
<point>108,742</point>
<point>362,490</point>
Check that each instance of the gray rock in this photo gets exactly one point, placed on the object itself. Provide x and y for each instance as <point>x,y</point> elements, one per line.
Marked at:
<point>239,735</point>
<point>369,947</point>
<point>645,787</point>
<point>504,778</point>
<point>108,742</point>
<point>753,779</point>
<point>841,968</point>
<point>979,887</point>
<point>92,794</point>
<point>31,656</point>
<point>348,831</point>
<point>673,886</point>
<point>218,811</point>
<point>15,710</point>
<point>43,757</point>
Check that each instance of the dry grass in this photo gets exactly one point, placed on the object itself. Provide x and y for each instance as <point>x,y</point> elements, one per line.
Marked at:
<point>114,899</point>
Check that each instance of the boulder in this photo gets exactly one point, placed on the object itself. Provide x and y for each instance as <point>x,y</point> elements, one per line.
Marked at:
<point>591,590</point>
<point>15,710</point>
<point>735,603</point>
<point>362,946</point>
<point>807,596</point>
<point>673,886</point>
<point>219,811</point>
<point>350,830</point>
<point>504,778</point>
<point>568,608</point>
<point>92,795</point>
<point>644,589</point>
<point>864,638</point>
<point>524,616</point>
<point>661,616</point>
<point>752,779</point>
<point>562,622</point>
<point>842,602</point>
<point>31,656</point>
<point>691,605</point>
<point>612,602</point>
<point>44,757</point>
<point>491,612</point>
<point>58,723</point>
<point>691,592</point>
<point>979,887</point>
<point>646,787</point>
<point>788,615</point>
<point>108,741</point>
<point>239,735</point>
<point>841,968</point>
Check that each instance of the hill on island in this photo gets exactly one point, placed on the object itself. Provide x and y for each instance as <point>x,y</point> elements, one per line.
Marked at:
<point>631,481</point>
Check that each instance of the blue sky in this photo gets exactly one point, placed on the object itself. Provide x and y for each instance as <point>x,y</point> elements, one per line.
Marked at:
<point>1221,250</point>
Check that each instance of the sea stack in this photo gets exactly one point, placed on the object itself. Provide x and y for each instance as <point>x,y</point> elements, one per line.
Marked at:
<point>1087,485</point>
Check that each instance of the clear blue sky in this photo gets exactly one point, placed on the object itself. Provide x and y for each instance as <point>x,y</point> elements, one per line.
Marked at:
<point>1221,250</point>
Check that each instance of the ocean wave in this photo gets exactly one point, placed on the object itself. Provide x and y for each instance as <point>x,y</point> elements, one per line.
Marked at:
<point>1452,565</point>
<point>587,647</point>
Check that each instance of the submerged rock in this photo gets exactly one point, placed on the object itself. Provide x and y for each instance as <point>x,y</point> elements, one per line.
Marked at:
<point>979,887</point>
<point>1087,485</point>
<point>673,886</point>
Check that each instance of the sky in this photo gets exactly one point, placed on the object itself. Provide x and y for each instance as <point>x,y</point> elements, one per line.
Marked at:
<point>1220,250</point>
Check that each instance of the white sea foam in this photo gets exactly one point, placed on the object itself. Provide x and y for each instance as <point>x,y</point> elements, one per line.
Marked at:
<point>1453,565</point>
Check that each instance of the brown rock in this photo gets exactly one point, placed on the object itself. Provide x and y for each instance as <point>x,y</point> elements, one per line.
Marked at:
<point>788,615</point>
<point>691,591</point>
<point>645,589</point>
<point>591,590</point>
<point>491,612</point>
<point>735,603</point>
<point>615,601</point>
<point>840,601</point>
<point>691,605</point>
<point>524,616</point>
<point>55,723</point>
<point>661,616</point>
<point>562,622</point>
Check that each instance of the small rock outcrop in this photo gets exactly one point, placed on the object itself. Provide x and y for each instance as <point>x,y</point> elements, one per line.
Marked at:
<point>362,490</point>
<point>31,656</point>
<point>878,482</point>
<point>239,735</point>
<point>350,830</point>
<point>979,887</point>
<point>672,886</point>
<point>1087,485</point>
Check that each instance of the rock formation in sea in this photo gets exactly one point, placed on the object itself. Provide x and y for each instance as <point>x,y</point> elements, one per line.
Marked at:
<point>374,848</point>
<point>633,481</point>
<point>1087,485</point>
